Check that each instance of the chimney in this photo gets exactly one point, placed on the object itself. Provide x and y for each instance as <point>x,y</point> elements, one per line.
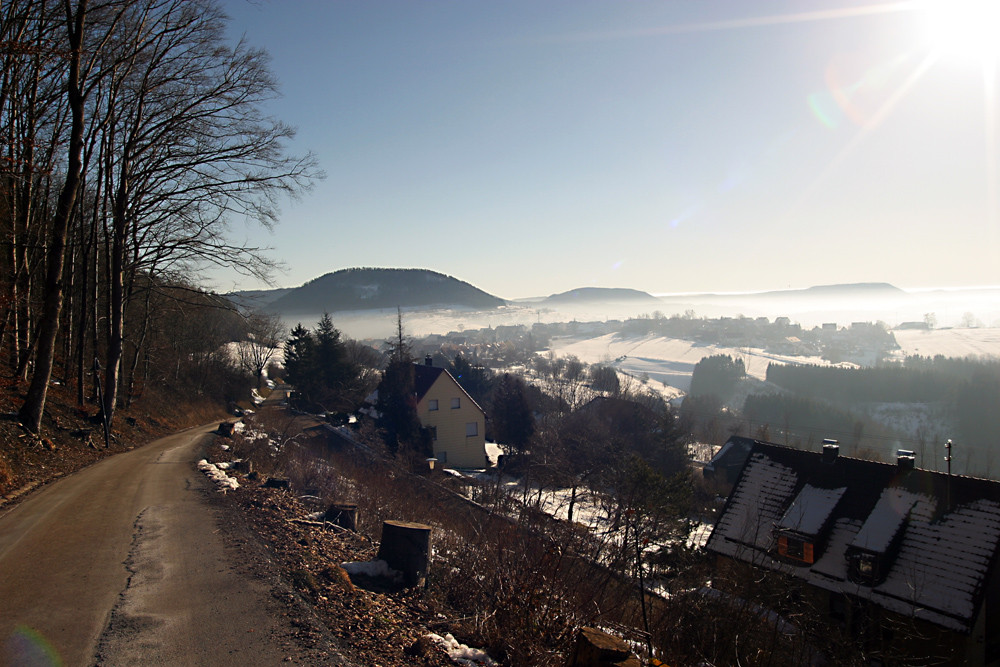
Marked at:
<point>905,459</point>
<point>831,448</point>
<point>428,361</point>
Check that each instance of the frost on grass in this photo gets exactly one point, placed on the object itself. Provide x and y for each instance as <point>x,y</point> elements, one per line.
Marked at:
<point>222,481</point>
<point>460,653</point>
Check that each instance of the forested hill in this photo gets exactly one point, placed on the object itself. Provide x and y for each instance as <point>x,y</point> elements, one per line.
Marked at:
<point>369,289</point>
<point>600,295</point>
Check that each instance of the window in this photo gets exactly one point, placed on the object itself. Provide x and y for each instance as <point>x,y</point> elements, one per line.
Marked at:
<point>864,568</point>
<point>456,403</point>
<point>432,405</point>
<point>434,432</point>
<point>796,549</point>
<point>471,429</point>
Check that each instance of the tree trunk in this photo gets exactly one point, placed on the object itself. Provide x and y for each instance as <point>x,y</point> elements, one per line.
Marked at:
<point>34,403</point>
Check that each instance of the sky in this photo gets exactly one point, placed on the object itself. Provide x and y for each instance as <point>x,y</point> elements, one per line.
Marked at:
<point>533,147</point>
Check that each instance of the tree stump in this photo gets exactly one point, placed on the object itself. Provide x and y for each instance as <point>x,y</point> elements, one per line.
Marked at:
<point>595,648</point>
<point>343,515</point>
<point>406,547</point>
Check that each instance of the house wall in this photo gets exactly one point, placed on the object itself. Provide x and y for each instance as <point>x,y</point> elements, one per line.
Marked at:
<point>453,447</point>
<point>884,637</point>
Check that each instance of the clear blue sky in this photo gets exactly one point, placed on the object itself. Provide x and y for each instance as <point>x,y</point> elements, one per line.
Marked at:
<point>534,147</point>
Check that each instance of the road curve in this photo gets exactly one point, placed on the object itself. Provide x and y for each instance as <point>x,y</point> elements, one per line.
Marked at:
<point>123,563</point>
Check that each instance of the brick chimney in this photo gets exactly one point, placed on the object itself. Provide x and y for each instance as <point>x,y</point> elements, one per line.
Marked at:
<point>831,449</point>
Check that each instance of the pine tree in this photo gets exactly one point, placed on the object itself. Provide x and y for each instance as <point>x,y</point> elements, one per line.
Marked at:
<point>396,393</point>
<point>299,363</point>
<point>513,421</point>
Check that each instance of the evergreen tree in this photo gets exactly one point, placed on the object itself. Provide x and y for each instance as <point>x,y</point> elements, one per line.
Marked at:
<point>717,375</point>
<point>513,422</point>
<point>475,380</point>
<point>335,375</point>
<point>299,361</point>
<point>316,364</point>
<point>397,402</point>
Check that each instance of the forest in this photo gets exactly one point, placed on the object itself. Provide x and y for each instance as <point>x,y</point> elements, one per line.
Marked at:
<point>134,135</point>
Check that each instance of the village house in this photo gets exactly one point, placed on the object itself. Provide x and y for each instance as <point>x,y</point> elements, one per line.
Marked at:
<point>904,560</point>
<point>456,422</point>
<point>728,462</point>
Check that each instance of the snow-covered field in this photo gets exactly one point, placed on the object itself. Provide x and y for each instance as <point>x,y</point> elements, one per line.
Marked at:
<point>671,360</point>
<point>667,360</point>
<point>950,342</point>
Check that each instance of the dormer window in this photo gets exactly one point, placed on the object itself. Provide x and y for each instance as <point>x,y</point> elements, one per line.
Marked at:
<point>803,528</point>
<point>796,549</point>
<point>874,548</point>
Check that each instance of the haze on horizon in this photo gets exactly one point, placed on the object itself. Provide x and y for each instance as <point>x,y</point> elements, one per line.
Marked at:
<point>685,147</point>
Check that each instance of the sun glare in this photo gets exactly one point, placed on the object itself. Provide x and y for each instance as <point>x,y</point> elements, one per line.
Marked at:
<point>965,28</point>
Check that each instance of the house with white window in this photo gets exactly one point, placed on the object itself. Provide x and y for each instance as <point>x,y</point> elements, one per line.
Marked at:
<point>456,422</point>
<point>907,561</point>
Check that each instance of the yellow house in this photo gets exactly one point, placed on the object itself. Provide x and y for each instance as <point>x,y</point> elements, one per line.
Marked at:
<point>456,422</point>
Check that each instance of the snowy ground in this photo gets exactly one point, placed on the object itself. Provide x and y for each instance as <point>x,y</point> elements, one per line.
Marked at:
<point>672,360</point>
<point>950,342</point>
<point>667,360</point>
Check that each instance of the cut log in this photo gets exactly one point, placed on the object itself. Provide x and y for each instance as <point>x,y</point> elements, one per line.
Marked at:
<point>344,515</point>
<point>406,547</point>
<point>595,648</point>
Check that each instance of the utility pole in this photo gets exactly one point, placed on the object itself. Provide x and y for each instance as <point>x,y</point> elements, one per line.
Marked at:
<point>947,458</point>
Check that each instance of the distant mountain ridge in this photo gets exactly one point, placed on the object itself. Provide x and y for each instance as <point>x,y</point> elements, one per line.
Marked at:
<point>360,289</point>
<point>377,288</point>
<point>599,295</point>
<point>839,290</point>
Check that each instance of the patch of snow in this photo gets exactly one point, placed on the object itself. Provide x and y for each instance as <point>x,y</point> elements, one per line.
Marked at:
<point>223,481</point>
<point>699,535</point>
<point>373,568</point>
<point>493,450</point>
<point>460,653</point>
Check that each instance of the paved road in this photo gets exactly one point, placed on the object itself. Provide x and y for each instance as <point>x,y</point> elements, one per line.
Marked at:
<point>123,563</point>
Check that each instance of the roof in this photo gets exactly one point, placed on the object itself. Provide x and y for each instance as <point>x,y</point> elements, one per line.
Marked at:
<point>731,457</point>
<point>935,559</point>
<point>425,376</point>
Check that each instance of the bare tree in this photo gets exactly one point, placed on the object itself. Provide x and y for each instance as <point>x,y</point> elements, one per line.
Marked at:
<point>34,404</point>
<point>263,339</point>
<point>191,148</point>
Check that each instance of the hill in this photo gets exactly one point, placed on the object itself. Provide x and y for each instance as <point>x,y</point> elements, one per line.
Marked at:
<point>599,295</point>
<point>372,289</point>
<point>257,298</point>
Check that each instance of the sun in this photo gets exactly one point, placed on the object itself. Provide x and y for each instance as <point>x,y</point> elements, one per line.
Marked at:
<point>963,28</point>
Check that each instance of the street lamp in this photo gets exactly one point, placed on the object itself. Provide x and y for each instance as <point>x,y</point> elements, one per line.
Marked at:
<point>431,461</point>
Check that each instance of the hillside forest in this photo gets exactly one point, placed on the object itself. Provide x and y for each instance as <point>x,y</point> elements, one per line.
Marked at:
<point>134,134</point>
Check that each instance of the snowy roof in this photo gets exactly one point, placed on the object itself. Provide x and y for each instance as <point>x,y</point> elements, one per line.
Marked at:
<point>885,520</point>
<point>938,571</point>
<point>810,510</point>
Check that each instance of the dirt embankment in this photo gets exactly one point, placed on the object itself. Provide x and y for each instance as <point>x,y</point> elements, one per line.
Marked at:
<point>72,437</point>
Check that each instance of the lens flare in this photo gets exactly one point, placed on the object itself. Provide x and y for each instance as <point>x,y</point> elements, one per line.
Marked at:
<point>28,647</point>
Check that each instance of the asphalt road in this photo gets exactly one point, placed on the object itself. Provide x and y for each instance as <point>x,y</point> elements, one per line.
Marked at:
<point>126,563</point>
